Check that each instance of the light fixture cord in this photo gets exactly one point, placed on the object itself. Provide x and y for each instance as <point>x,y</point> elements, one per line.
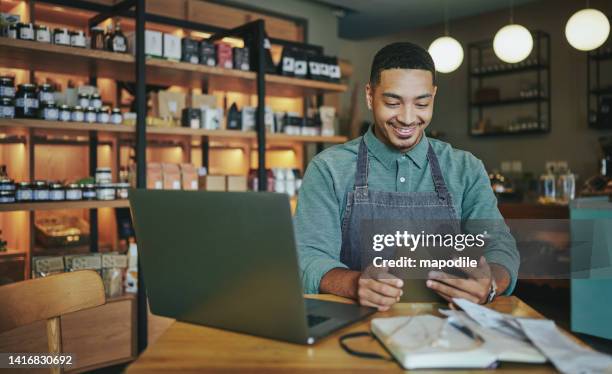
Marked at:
<point>588,4</point>
<point>446,31</point>
<point>511,12</point>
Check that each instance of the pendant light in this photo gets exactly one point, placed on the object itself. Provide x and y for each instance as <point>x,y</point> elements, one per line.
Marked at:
<point>587,29</point>
<point>446,51</point>
<point>513,42</point>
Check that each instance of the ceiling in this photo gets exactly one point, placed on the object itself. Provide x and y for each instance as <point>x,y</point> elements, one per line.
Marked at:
<point>360,19</point>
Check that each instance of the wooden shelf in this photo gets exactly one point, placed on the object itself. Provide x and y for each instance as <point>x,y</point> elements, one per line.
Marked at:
<point>26,54</point>
<point>510,70</point>
<point>82,204</point>
<point>12,253</point>
<point>511,101</point>
<point>337,139</point>
<point>64,126</point>
<point>508,133</point>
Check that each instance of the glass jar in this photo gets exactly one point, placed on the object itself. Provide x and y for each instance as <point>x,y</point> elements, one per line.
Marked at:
<point>103,115</point>
<point>105,192</point>
<point>122,190</point>
<point>24,192</point>
<point>77,39</point>
<point>83,100</point>
<point>104,176</point>
<point>88,191</point>
<point>12,31</point>
<point>64,113</point>
<point>41,191</point>
<point>95,101</point>
<point>49,112</point>
<point>7,197</point>
<point>57,192</point>
<point>7,107</point>
<point>7,86</point>
<point>116,116</point>
<point>90,115</point>
<point>74,192</point>
<point>7,185</point>
<point>61,36</point>
<point>97,38</point>
<point>77,114</point>
<point>43,34</point>
<point>26,102</point>
<point>45,93</point>
<point>25,31</point>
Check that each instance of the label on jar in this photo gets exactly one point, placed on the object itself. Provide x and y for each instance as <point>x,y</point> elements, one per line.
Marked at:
<point>56,195</point>
<point>89,195</point>
<point>334,71</point>
<point>77,40</point>
<point>106,194</point>
<point>7,199</point>
<point>43,36</point>
<point>116,119</point>
<point>26,33</point>
<point>41,194</point>
<point>103,117</point>
<point>288,64</point>
<point>83,102</point>
<point>25,195</point>
<point>90,117</point>
<point>300,67</point>
<point>96,103</point>
<point>12,33</point>
<point>103,177</point>
<point>46,97</point>
<point>7,91</point>
<point>73,194</point>
<point>119,44</point>
<point>61,38</point>
<point>50,114</point>
<point>7,112</point>
<point>64,115</point>
<point>26,103</point>
<point>77,116</point>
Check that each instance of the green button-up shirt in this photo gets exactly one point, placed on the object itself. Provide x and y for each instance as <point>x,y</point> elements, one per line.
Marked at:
<point>331,175</point>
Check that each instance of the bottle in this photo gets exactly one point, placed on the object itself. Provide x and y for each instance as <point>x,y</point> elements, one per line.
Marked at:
<point>131,277</point>
<point>547,187</point>
<point>118,41</point>
<point>108,38</point>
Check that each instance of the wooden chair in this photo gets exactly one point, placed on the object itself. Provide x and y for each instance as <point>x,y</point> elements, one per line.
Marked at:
<point>48,299</point>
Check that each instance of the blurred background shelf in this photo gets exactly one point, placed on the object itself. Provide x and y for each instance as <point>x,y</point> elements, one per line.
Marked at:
<point>89,204</point>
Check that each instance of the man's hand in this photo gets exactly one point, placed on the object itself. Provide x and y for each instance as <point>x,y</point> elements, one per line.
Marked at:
<point>378,288</point>
<point>475,288</point>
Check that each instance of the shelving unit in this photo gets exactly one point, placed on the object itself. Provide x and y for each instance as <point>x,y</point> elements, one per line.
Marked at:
<point>141,70</point>
<point>599,61</point>
<point>484,67</point>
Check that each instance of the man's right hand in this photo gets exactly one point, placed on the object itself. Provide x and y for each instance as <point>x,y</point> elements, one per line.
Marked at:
<point>378,288</point>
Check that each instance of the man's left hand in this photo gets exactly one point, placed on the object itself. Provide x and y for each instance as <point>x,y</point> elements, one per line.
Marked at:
<point>474,288</point>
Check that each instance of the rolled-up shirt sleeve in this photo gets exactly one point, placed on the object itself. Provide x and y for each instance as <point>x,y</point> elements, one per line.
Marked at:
<point>317,226</point>
<point>479,206</point>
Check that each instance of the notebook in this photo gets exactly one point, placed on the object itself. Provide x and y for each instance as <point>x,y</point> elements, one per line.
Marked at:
<point>430,342</point>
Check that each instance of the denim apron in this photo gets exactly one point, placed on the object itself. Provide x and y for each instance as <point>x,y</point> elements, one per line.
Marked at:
<point>364,204</point>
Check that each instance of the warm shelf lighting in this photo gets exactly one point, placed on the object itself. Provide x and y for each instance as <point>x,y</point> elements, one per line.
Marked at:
<point>513,43</point>
<point>587,29</point>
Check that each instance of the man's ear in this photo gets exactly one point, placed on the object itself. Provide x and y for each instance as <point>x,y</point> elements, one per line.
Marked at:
<point>434,91</point>
<point>369,94</point>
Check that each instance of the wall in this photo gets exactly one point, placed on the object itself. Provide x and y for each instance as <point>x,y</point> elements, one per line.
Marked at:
<point>570,138</point>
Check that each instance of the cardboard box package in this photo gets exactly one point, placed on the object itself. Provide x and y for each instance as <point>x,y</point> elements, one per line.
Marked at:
<point>154,176</point>
<point>212,182</point>
<point>237,183</point>
<point>189,177</point>
<point>154,44</point>
<point>172,47</point>
<point>171,175</point>
<point>200,100</point>
<point>168,104</point>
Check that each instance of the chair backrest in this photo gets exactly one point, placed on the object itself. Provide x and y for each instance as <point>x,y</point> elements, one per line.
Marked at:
<point>22,303</point>
<point>47,299</point>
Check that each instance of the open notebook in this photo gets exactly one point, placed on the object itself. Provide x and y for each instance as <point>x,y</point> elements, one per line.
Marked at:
<point>427,341</point>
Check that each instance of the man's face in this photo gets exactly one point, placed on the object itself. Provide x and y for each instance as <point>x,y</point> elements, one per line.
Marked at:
<point>402,105</point>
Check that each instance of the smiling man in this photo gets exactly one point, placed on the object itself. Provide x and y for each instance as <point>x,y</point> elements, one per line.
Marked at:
<point>395,172</point>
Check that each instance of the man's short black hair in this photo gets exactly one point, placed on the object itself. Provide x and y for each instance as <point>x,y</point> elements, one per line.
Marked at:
<point>401,55</point>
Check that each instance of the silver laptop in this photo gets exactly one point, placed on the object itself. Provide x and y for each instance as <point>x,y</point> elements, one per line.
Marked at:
<point>228,260</point>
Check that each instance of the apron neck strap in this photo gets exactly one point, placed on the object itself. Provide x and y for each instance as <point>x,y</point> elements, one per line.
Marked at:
<point>363,167</point>
<point>436,175</point>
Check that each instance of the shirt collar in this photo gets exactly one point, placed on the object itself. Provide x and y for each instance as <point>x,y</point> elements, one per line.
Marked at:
<point>388,155</point>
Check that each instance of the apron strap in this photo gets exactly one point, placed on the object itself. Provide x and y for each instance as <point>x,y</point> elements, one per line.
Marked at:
<point>361,174</point>
<point>438,179</point>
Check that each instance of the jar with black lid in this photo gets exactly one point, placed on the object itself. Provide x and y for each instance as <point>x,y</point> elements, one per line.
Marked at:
<point>116,116</point>
<point>89,191</point>
<point>24,192</point>
<point>95,101</point>
<point>49,112</point>
<point>77,114</point>
<point>77,39</point>
<point>26,102</point>
<point>74,192</point>
<point>64,113</point>
<point>57,192</point>
<point>7,86</point>
<point>45,93</point>
<point>41,191</point>
<point>105,191</point>
<point>43,34</point>
<point>7,107</point>
<point>61,37</point>
<point>25,31</point>
<point>7,197</point>
<point>91,115</point>
<point>83,100</point>
<point>7,185</point>
<point>12,31</point>
<point>103,115</point>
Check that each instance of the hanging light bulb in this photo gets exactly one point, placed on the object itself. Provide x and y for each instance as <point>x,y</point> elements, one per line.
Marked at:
<point>587,29</point>
<point>446,51</point>
<point>447,54</point>
<point>513,43</point>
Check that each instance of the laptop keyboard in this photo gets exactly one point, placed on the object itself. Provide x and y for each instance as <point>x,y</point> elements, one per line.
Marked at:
<point>314,320</point>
